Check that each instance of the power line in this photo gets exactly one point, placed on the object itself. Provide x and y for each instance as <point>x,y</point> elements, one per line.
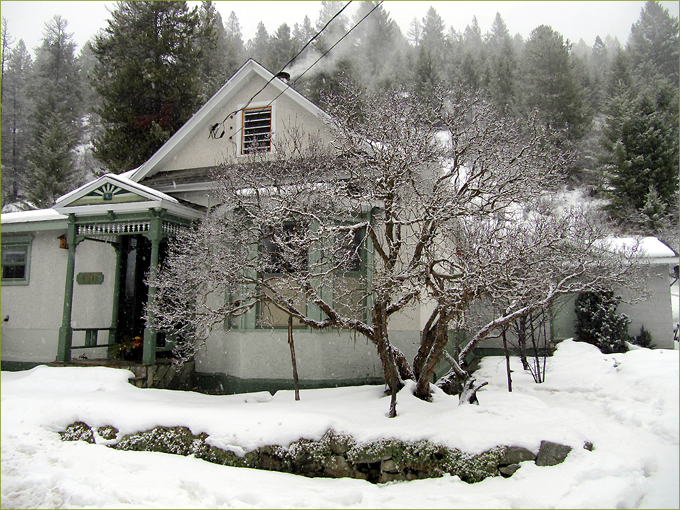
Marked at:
<point>288,85</point>
<point>289,62</point>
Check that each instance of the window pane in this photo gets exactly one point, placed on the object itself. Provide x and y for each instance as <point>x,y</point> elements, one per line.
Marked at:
<point>348,296</point>
<point>270,315</point>
<point>14,255</point>
<point>13,272</point>
<point>350,253</point>
<point>282,252</point>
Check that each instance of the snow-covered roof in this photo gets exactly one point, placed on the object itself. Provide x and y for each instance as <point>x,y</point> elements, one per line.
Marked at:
<point>31,216</point>
<point>649,247</point>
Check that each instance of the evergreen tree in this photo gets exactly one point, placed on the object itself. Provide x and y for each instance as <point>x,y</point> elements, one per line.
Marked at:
<point>147,74</point>
<point>653,44</point>
<point>502,64</point>
<point>432,38</point>
<point>258,47</point>
<point>282,48</point>
<point>92,124</point>
<point>549,84</point>
<point>7,42</point>
<point>335,30</point>
<point>55,120</point>
<point>235,51</point>
<point>415,32</point>
<point>211,42</point>
<point>15,110</point>
<point>471,72</point>
<point>303,33</point>
<point>642,150</point>
<point>426,76</point>
<point>376,41</point>
<point>599,66</point>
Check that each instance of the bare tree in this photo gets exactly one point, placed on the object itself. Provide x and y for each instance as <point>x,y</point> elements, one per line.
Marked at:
<point>522,264</point>
<point>421,189</point>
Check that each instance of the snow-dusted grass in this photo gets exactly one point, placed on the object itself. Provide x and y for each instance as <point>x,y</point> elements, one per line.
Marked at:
<point>625,404</point>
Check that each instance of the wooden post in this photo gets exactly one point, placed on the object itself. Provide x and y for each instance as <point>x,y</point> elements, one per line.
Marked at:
<point>292,355</point>
<point>150,334</point>
<point>507,361</point>
<point>65,331</point>
<point>116,293</point>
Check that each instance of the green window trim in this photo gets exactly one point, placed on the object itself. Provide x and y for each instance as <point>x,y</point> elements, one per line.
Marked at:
<point>16,260</point>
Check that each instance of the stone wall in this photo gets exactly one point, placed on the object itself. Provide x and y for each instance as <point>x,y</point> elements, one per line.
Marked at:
<point>334,455</point>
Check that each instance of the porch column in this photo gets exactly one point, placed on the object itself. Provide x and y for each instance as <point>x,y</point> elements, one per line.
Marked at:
<point>150,335</point>
<point>65,331</point>
<point>116,292</point>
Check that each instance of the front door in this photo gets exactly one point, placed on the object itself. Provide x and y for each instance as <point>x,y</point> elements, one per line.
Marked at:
<point>135,260</point>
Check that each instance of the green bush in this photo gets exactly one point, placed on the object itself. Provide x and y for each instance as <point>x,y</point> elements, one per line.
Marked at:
<point>644,339</point>
<point>597,322</point>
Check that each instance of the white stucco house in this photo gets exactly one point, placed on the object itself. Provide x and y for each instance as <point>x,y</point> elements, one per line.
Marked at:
<point>73,275</point>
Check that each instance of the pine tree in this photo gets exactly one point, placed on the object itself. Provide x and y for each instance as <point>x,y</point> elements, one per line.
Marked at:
<point>501,63</point>
<point>147,74</point>
<point>432,37</point>
<point>259,47</point>
<point>211,42</point>
<point>282,47</point>
<point>335,30</point>
<point>7,42</point>
<point>15,110</point>
<point>549,84</point>
<point>302,33</point>
<point>653,44</point>
<point>471,73</point>
<point>235,50</point>
<point>642,151</point>
<point>55,120</point>
<point>376,44</point>
<point>415,32</point>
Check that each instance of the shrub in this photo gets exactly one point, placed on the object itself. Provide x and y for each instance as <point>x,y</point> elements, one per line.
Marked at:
<point>644,339</point>
<point>597,322</point>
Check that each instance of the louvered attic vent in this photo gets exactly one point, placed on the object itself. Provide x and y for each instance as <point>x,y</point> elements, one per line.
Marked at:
<point>257,129</point>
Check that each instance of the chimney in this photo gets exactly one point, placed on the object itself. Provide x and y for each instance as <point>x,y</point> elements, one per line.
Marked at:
<point>284,77</point>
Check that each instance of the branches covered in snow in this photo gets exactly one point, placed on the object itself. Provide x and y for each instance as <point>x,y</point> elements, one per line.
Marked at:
<point>409,205</point>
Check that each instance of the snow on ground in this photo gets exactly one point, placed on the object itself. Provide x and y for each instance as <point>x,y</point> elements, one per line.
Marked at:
<point>625,404</point>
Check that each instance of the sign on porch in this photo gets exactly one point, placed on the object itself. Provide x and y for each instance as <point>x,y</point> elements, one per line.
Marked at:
<point>90,278</point>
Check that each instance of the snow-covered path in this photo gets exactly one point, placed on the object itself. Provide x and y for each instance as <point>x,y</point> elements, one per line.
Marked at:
<point>625,404</point>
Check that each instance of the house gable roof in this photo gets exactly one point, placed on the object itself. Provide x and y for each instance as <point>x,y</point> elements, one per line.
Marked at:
<point>201,119</point>
<point>118,194</point>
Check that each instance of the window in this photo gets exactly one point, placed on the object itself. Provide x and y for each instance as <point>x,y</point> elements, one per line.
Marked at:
<point>271,316</point>
<point>257,130</point>
<point>350,253</point>
<point>349,289</point>
<point>283,255</point>
<point>16,254</point>
<point>282,251</point>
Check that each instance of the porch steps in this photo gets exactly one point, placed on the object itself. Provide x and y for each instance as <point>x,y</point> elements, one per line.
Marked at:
<point>161,375</point>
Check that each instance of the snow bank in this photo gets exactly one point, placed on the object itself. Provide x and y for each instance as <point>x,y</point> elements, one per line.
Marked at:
<point>625,404</point>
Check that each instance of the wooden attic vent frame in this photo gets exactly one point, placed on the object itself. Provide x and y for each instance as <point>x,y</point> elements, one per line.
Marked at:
<point>257,130</point>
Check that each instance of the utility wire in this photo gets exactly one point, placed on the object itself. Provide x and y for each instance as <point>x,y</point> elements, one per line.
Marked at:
<point>288,85</point>
<point>289,62</point>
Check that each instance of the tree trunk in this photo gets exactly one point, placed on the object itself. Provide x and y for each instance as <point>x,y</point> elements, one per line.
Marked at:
<point>389,357</point>
<point>296,383</point>
<point>433,358</point>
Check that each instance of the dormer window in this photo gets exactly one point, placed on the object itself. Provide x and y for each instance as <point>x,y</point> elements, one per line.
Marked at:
<point>257,130</point>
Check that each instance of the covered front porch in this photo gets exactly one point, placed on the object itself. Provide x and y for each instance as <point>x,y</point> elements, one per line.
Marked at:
<point>135,222</point>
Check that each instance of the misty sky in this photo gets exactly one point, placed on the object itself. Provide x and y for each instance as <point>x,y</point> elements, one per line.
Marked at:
<point>574,20</point>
